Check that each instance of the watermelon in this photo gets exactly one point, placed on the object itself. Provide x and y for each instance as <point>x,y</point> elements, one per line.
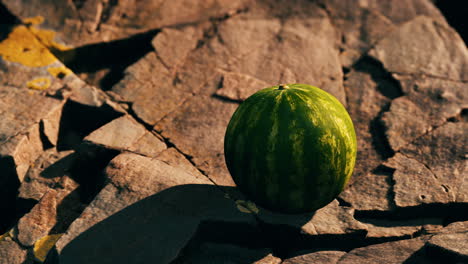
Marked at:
<point>290,148</point>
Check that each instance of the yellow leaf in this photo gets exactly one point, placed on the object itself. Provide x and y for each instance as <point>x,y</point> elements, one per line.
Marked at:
<point>44,245</point>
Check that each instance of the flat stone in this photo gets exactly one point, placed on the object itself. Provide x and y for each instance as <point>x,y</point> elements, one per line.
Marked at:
<point>131,178</point>
<point>45,173</point>
<point>370,193</point>
<point>159,205</point>
<point>379,228</point>
<point>429,103</point>
<point>173,45</point>
<point>391,252</point>
<point>442,151</point>
<point>125,133</point>
<point>11,253</point>
<point>452,240</point>
<point>364,105</point>
<point>44,215</point>
<point>421,47</point>
<point>198,129</point>
<point>325,257</point>
<point>415,184</point>
<point>362,24</point>
<point>94,21</point>
<point>237,86</point>
<point>39,221</point>
<point>139,84</point>
<point>332,219</point>
<point>21,113</point>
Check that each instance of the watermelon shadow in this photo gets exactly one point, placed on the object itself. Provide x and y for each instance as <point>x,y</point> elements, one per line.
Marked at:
<point>169,226</point>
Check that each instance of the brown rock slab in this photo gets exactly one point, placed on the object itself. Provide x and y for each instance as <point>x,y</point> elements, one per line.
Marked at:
<point>21,112</point>
<point>442,151</point>
<point>365,102</point>
<point>131,178</point>
<point>11,252</point>
<point>198,129</point>
<point>325,257</point>
<point>362,24</point>
<point>429,103</point>
<point>154,205</point>
<point>237,86</point>
<point>390,252</point>
<point>44,215</point>
<point>174,45</point>
<point>452,240</point>
<point>269,259</point>
<point>420,46</point>
<point>371,192</point>
<point>379,228</point>
<point>332,219</point>
<point>45,173</point>
<point>95,21</point>
<point>415,184</point>
<point>125,133</point>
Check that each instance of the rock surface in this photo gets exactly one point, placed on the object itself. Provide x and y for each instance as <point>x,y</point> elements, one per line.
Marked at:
<point>114,113</point>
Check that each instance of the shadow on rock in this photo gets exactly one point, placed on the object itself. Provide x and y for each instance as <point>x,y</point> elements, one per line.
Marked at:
<point>183,222</point>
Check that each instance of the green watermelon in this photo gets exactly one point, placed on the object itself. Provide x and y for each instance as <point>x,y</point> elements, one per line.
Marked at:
<point>290,148</point>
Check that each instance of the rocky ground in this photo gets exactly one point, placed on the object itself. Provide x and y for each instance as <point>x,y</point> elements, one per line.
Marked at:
<point>113,115</point>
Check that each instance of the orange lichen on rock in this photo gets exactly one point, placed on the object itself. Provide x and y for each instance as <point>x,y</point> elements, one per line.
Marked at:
<point>30,46</point>
<point>40,83</point>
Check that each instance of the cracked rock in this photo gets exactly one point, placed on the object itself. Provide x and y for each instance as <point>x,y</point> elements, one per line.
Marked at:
<point>125,133</point>
<point>45,173</point>
<point>11,253</point>
<point>379,228</point>
<point>415,184</point>
<point>198,129</point>
<point>420,46</point>
<point>43,217</point>
<point>131,178</point>
<point>390,252</point>
<point>451,240</point>
<point>324,257</point>
<point>429,103</point>
<point>442,152</point>
<point>87,22</point>
<point>332,219</point>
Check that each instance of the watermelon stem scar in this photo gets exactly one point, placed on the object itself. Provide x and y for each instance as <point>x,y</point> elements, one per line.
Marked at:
<point>282,87</point>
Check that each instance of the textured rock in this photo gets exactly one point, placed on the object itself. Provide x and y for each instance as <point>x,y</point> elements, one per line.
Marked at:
<point>391,252</point>
<point>370,192</point>
<point>21,113</point>
<point>452,240</point>
<point>401,228</point>
<point>94,21</point>
<point>420,47</point>
<point>332,219</point>
<point>45,172</point>
<point>131,178</point>
<point>11,253</point>
<point>415,184</point>
<point>124,133</point>
<point>362,24</point>
<point>443,152</point>
<point>198,129</point>
<point>43,216</point>
<point>325,257</point>
<point>429,103</point>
